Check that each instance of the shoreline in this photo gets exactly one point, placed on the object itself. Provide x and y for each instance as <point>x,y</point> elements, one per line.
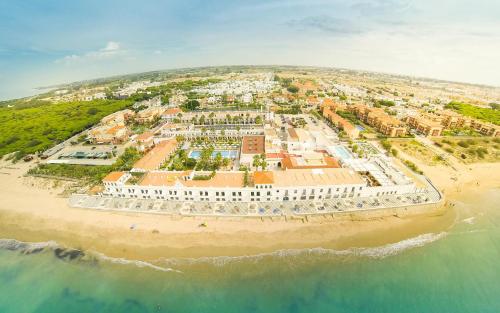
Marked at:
<point>44,216</point>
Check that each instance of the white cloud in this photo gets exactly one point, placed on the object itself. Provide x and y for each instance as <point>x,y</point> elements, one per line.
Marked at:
<point>111,49</point>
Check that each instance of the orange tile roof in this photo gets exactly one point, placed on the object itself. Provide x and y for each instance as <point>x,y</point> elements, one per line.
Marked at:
<point>113,177</point>
<point>328,102</point>
<point>154,158</point>
<point>291,162</point>
<point>172,111</point>
<point>275,155</point>
<point>265,177</point>
<point>293,133</point>
<point>253,145</point>
<point>113,130</point>
<point>145,136</point>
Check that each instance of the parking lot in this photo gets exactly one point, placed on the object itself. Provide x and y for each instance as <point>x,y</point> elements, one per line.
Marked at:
<point>87,154</point>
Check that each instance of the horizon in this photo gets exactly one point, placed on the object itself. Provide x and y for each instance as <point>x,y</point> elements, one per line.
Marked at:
<point>40,90</point>
<point>102,40</point>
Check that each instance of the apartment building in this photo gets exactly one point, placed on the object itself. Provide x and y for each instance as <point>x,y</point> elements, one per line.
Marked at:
<point>341,123</point>
<point>379,119</point>
<point>427,124</point>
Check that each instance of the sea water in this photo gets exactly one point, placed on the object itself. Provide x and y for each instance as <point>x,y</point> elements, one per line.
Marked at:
<point>453,271</point>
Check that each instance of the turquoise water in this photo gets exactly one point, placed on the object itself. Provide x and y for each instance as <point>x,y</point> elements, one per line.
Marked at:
<point>342,153</point>
<point>230,154</point>
<point>457,271</point>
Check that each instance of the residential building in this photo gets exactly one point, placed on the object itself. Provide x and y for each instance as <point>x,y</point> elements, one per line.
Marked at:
<point>152,160</point>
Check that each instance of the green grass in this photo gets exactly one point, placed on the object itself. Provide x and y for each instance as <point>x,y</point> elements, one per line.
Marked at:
<point>484,114</point>
<point>43,125</point>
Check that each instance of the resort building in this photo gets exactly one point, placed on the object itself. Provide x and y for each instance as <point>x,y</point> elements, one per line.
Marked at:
<point>145,141</point>
<point>486,129</point>
<point>171,113</point>
<point>341,123</point>
<point>156,156</point>
<point>108,134</point>
<point>250,147</point>
<point>148,115</point>
<point>426,123</point>
<point>309,160</point>
<point>379,119</point>
<point>118,118</point>
<point>260,186</point>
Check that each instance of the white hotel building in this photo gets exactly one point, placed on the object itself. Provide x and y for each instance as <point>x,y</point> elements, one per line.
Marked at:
<point>261,186</point>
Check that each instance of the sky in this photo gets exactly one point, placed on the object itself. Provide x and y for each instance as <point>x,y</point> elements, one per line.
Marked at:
<point>47,42</point>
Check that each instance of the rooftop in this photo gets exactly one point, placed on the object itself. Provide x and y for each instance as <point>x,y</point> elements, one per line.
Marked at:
<point>154,158</point>
<point>253,145</point>
<point>316,177</point>
<point>113,177</point>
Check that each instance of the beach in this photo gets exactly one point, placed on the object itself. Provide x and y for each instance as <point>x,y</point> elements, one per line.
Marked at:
<point>32,210</point>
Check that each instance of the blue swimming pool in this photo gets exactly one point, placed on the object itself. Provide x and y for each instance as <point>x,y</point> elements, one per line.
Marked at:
<point>360,128</point>
<point>230,154</point>
<point>342,153</point>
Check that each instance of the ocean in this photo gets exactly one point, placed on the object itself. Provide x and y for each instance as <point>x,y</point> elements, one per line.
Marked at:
<point>454,271</point>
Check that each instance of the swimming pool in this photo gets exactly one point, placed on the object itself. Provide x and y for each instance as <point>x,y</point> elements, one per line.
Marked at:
<point>230,154</point>
<point>342,153</point>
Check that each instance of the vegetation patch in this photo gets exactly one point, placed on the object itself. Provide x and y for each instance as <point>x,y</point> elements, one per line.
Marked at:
<point>43,125</point>
<point>485,114</point>
<point>88,173</point>
<point>471,150</point>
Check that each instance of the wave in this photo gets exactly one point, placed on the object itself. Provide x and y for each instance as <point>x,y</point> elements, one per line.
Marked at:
<point>167,264</point>
<point>71,254</point>
<point>26,247</point>
<point>137,263</point>
<point>369,252</point>
<point>469,220</point>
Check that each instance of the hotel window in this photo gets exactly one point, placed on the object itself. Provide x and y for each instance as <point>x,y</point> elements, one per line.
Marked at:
<point>217,193</point>
<point>268,193</point>
<point>251,193</point>
<point>234,194</point>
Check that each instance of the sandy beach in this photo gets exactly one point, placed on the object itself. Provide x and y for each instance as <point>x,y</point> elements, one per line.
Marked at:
<point>31,210</point>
